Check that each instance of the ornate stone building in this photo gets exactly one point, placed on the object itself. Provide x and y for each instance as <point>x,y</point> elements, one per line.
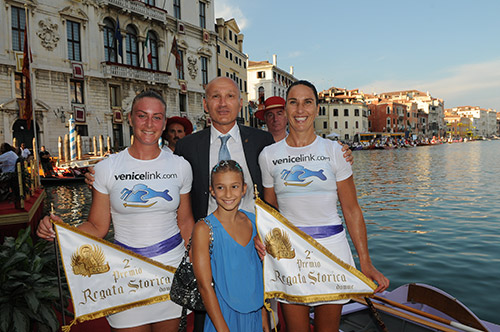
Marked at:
<point>91,57</point>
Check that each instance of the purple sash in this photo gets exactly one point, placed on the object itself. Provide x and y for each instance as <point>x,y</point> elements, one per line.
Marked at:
<point>320,232</point>
<point>157,248</point>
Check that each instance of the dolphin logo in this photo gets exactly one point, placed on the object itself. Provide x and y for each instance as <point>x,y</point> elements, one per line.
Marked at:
<point>298,174</point>
<point>141,193</point>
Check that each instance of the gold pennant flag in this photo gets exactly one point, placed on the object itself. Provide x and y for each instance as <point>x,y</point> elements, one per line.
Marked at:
<point>298,269</point>
<point>104,278</point>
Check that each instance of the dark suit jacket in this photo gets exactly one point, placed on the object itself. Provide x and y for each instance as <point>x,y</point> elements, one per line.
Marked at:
<point>195,148</point>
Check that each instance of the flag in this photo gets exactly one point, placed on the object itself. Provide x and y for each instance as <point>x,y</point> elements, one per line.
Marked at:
<point>297,269</point>
<point>175,52</point>
<point>149,54</point>
<point>26,112</point>
<point>104,278</point>
<point>119,38</point>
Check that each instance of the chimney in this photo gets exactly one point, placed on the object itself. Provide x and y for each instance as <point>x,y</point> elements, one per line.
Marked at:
<point>291,70</point>
<point>275,60</point>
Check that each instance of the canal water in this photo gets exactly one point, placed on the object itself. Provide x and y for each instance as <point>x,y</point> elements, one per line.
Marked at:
<point>432,215</point>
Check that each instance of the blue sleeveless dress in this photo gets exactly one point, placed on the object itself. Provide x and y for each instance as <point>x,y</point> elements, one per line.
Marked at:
<point>237,275</point>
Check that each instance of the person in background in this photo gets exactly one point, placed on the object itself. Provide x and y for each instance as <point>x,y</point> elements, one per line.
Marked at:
<point>273,114</point>
<point>8,158</point>
<point>312,207</point>
<point>25,152</point>
<point>46,161</point>
<point>177,128</point>
<point>156,227</point>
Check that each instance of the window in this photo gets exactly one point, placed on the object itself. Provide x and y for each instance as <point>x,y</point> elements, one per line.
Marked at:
<point>82,130</point>
<point>325,124</point>
<point>110,43</point>
<point>227,54</point>
<point>73,35</point>
<point>244,65</point>
<point>388,122</point>
<point>346,112</point>
<point>245,85</point>
<point>18,26</point>
<point>236,39</point>
<point>204,70</point>
<point>203,23</point>
<point>388,110</point>
<point>230,56</point>
<point>218,49</point>
<point>132,47</point>
<point>357,124</point>
<point>152,57</point>
<point>180,73</point>
<point>274,91</point>
<point>261,74</point>
<point>346,125</point>
<point>230,35</point>
<point>262,96</point>
<point>182,103</point>
<point>356,112</point>
<point>20,82</point>
<point>115,99</point>
<point>76,90</point>
<point>219,73</point>
<point>335,125</point>
<point>177,9</point>
<point>335,112</point>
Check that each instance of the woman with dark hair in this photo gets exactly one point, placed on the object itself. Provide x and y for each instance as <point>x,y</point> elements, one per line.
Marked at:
<point>311,204</point>
<point>156,225</point>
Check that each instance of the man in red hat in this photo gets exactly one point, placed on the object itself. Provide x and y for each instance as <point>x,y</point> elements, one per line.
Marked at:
<point>177,128</point>
<point>273,114</point>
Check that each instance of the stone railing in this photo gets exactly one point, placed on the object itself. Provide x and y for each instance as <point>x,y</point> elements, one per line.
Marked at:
<point>140,8</point>
<point>142,74</point>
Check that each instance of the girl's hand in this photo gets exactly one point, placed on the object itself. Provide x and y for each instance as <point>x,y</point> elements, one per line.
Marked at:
<point>260,247</point>
<point>45,230</point>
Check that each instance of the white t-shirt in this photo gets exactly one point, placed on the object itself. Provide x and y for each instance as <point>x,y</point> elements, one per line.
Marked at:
<point>144,195</point>
<point>305,180</point>
<point>25,153</point>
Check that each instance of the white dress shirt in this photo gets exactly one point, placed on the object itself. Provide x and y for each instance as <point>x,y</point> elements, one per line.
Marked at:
<point>235,147</point>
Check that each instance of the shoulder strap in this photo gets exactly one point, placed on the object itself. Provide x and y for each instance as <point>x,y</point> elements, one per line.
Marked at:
<point>209,224</point>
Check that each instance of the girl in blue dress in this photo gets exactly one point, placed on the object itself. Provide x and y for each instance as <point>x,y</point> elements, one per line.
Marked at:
<point>226,264</point>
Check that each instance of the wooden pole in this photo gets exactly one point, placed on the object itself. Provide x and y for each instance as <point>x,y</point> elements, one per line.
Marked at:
<point>108,140</point>
<point>20,182</point>
<point>101,145</point>
<point>60,151</point>
<point>94,145</point>
<point>79,147</point>
<point>66,148</point>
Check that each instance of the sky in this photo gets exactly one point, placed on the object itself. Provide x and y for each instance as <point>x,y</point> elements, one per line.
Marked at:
<point>450,48</point>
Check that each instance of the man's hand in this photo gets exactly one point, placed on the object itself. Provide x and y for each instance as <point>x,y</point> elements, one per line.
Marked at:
<point>347,153</point>
<point>89,177</point>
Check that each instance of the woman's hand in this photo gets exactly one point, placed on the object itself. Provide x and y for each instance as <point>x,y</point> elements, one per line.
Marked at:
<point>45,230</point>
<point>372,273</point>
<point>347,153</point>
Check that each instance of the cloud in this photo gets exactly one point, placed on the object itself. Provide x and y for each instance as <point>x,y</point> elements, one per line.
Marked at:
<point>227,10</point>
<point>295,54</point>
<point>471,84</point>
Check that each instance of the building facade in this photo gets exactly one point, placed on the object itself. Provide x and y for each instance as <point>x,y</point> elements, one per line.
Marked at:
<point>231,61</point>
<point>266,80</point>
<point>484,123</point>
<point>92,57</point>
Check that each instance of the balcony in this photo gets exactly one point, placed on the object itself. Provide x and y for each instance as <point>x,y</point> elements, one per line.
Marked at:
<point>139,8</point>
<point>111,69</point>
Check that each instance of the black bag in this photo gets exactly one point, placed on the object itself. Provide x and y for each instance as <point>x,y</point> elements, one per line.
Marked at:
<point>184,290</point>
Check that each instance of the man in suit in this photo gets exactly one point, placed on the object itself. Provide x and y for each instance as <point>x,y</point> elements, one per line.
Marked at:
<point>223,103</point>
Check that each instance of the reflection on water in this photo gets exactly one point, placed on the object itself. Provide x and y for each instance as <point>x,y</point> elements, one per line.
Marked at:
<point>432,215</point>
<point>71,202</point>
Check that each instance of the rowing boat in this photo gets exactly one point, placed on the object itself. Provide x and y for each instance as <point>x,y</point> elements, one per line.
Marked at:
<point>412,308</point>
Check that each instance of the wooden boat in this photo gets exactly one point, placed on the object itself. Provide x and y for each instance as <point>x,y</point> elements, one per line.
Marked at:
<point>412,308</point>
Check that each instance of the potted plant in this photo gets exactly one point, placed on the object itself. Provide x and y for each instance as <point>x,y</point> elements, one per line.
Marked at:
<point>29,289</point>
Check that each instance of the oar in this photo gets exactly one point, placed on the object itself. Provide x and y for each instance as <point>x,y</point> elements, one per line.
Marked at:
<point>425,314</point>
<point>409,317</point>
<point>374,312</point>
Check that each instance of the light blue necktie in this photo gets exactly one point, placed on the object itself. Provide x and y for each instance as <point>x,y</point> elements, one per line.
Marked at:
<point>224,151</point>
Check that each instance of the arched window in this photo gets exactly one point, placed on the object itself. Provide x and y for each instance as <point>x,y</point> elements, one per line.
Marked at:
<point>131,47</point>
<point>151,55</point>
<point>262,97</point>
<point>110,48</point>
